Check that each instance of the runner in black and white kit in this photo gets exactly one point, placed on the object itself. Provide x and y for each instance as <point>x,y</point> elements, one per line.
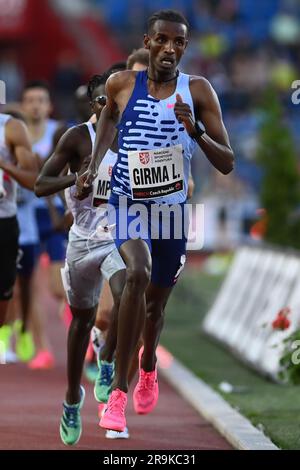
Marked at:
<point>17,165</point>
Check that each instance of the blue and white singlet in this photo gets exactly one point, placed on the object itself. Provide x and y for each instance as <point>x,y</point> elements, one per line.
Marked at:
<point>154,148</point>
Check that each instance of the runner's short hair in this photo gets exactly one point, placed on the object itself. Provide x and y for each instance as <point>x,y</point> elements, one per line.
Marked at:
<point>97,80</point>
<point>94,82</point>
<point>167,15</point>
<point>32,84</point>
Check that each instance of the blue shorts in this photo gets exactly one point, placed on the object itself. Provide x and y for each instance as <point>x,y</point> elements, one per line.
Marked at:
<point>28,259</point>
<point>161,226</point>
<point>52,241</point>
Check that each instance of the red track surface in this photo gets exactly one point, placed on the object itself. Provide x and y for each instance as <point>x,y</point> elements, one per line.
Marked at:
<point>30,409</point>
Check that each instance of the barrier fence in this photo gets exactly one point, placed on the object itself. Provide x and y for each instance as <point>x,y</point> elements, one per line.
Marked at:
<point>259,284</point>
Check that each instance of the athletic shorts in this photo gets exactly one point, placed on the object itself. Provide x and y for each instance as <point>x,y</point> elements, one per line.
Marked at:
<point>9,234</point>
<point>163,227</point>
<point>28,259</point>
<point>52,241</point>
<point>87,263</point>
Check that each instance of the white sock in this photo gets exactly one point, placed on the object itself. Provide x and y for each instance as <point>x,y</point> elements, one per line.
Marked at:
<point>98,340</point>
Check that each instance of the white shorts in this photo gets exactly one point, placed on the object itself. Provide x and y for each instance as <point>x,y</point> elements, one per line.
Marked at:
<point>88,261</point>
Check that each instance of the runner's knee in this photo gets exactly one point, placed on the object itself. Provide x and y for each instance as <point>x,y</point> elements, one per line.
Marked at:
<point>83,320</point>
<point>138,277</point>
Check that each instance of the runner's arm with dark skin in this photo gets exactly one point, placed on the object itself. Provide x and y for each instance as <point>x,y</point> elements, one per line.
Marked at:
<point>50,180</point>
<point>25,170</point>
<point>214,141</point>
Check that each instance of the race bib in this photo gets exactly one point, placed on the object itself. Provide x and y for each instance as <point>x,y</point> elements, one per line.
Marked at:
<point>101,185</point>
<point>156,173</point>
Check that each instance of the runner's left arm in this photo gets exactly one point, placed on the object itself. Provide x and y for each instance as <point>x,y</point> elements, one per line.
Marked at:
<point>213,140</point>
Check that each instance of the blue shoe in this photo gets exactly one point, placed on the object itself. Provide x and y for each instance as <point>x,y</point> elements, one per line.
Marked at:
<point>70,423</point>
<point>104,381</point>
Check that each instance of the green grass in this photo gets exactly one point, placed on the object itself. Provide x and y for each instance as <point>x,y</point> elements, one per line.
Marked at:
<point>273,407</point>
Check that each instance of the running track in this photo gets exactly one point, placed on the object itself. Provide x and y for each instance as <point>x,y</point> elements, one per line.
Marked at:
<point>30,404</point>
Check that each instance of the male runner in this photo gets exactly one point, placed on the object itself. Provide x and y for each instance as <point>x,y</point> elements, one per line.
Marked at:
<point>91,256</point>
<point>17,165</point>
<point>157,113</point>
<point>37,106</point>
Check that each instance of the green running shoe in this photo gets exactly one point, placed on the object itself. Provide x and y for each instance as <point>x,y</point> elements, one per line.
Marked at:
<point>104,381</point>
<point>25,346</point>
<point>6,332</point>
<point>70,423</point>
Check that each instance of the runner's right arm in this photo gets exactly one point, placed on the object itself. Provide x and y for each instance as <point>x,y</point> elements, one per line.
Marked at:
<point>25,170</point>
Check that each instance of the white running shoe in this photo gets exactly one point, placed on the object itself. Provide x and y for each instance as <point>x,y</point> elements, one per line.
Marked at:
<point>110,434</point>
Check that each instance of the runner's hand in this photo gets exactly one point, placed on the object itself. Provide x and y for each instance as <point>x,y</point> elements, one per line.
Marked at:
<point>84,184</point>
<point>184,114</point>
<point>91,175</point>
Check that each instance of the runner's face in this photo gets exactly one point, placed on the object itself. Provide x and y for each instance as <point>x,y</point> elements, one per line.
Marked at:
<point>99,100</point>
<point>36,104</point>
<point>166,42</point>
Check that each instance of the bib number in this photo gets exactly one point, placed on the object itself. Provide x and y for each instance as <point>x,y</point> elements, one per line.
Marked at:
<point>156,173</point>
<point>101,185</point>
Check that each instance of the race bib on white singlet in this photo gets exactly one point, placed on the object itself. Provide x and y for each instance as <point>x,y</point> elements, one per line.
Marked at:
<point>156,173</point>
<point>101,185</point>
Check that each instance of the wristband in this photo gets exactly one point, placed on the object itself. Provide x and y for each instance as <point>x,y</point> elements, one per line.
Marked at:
<point>198,132</point>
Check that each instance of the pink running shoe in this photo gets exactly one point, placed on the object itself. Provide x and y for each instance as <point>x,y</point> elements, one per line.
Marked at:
<point>43,360</point>
<point>114,416</point>
<point>146,392</point>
